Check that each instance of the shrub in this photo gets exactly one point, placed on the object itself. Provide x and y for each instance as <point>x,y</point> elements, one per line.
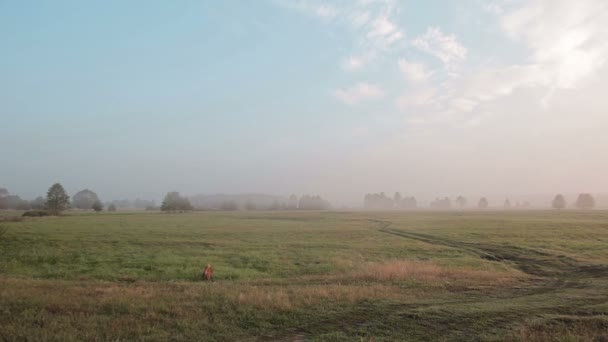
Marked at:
<point>35,213</point>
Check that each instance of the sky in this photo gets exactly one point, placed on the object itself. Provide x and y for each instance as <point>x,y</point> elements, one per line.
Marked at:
<point>339,98</point>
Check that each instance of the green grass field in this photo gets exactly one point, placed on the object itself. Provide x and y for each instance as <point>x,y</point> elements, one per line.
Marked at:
<point>318,276</point>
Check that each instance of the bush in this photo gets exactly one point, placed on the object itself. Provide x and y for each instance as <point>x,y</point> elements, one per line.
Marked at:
<point>35,213</point>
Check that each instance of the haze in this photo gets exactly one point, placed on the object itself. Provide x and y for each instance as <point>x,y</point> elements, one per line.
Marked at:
<point>429,98</point>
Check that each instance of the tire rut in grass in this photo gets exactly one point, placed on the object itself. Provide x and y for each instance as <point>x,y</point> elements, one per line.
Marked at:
<point>551,274</point>
<point>530,261</point>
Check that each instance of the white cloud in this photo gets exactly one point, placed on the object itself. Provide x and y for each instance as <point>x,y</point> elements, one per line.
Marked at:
<point>493,7</point>
<point>567,44</point>
<point>372,24</point>
<point>445,47</point>
<point>568,38</point>
<point>353,63</point>
<point>359,92</point>
<point>382,26</point>
<point>413,71</point>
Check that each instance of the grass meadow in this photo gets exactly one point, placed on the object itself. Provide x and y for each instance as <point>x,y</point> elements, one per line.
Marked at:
<point>305,276</point>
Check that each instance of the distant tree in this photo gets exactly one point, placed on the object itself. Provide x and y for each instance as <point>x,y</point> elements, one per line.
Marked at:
<point>37,203</point>
<point>507,204</point>
<point>461,201</point>
<point>397,199</point>
<point>8,201</point>
<point>412,203</point>
<point>483,203</point>
<point>229,206</point>
<point>175,202</point>
<point>559,202</point>
<point>585,201</point>
<point>13,202</point>
<point>112,207</point>
<point>57,200</point>
<point>308,202</point>
<point>97,206</point>
<point>84,199</point>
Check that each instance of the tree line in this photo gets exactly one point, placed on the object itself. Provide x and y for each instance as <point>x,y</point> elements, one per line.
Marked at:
<point>382,201</point>
<point>174,202</point>
<point>583,201</point>
<point>57,200</point>
<point>373,201</point>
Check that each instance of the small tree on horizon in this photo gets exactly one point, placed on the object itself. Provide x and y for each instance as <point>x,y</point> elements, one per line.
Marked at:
<point>84,199</point>
<point>112,207</point>
<point>507,204</point>
<point>174,202</point>
<point>585,202</point>
<point>461,201</point>
<point>97,206</point>
<point>559,202</point>
<point>483,203</point>
<point>57,200</point>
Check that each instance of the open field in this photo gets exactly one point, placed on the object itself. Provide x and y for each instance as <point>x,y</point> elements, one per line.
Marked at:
<point>326,276</point>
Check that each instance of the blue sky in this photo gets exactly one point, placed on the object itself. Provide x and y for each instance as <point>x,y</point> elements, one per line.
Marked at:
<point>340,98</point>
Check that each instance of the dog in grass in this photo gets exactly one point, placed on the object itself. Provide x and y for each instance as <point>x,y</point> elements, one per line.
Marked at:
<point>208,273</point>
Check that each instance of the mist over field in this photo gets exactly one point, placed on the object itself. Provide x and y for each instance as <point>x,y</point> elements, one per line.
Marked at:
<point>304,170</point>
<point>503,99</point>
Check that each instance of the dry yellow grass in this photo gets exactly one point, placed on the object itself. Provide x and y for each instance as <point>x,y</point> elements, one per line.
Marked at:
<point>371,281</point>
<point>285,298</point>
<point>429,272</point>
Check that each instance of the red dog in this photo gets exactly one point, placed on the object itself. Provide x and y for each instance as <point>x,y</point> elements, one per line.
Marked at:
<point>208,273</point>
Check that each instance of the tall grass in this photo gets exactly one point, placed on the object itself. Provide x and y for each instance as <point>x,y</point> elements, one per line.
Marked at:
<point>429,272</point>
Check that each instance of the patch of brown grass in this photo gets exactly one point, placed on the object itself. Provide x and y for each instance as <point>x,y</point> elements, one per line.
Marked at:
<point>286,298</point>
<point>88,296</point>
<point>429,272</point>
